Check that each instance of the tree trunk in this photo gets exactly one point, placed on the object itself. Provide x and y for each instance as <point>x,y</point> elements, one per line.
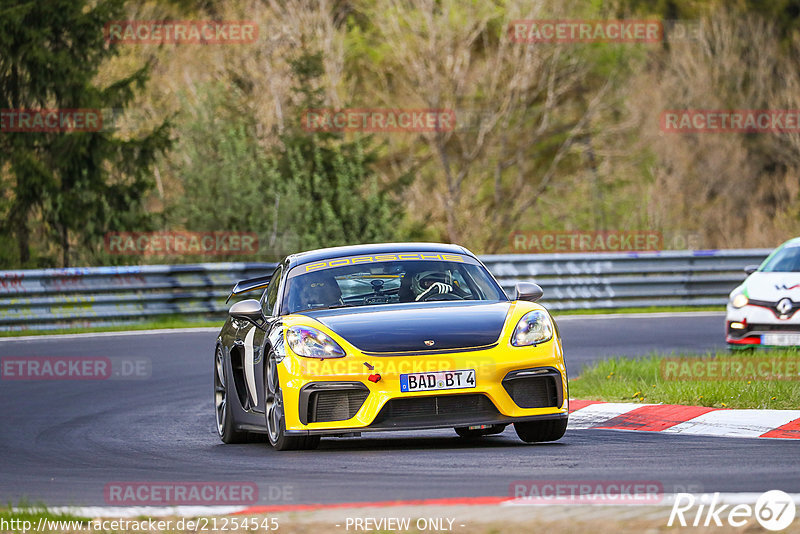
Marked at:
<point>23,242</point>
<point>64,246</point>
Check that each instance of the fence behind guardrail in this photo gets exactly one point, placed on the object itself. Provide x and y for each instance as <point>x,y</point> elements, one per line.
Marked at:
<point>97,296</point>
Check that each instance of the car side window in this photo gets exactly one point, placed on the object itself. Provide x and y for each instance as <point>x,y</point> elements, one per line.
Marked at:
<point>272,291</point>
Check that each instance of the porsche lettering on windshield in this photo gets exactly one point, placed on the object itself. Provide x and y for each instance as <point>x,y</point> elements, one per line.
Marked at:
<point>354,260</point>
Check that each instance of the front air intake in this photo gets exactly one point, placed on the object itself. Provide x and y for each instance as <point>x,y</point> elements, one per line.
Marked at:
<point>534,388</point>
<point>326,406</point>
<point>326,402</point>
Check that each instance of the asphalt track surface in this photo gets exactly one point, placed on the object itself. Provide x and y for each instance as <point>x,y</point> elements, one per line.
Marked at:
<point>62,441</point>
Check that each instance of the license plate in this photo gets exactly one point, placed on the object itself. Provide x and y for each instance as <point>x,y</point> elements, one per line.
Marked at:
<point>465,378</point>
<point>784,340</point>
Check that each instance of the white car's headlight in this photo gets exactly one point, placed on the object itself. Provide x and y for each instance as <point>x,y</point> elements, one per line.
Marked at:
<point>739,300</point>
<point>311,343</point>
<point>535,327</point>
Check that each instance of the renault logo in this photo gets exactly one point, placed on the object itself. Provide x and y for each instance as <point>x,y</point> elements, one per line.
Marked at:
<point>784,306</point>
<point>430,342</point>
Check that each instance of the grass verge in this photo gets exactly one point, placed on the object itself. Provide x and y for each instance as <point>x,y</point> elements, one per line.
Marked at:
<point>166,322</point>
<point>29,515</point>
<point>648,380</point>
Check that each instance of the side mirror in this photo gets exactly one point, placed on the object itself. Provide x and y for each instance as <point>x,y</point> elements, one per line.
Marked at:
<point>527,291</point>
<point>248,310</point>
<point>750,269</point>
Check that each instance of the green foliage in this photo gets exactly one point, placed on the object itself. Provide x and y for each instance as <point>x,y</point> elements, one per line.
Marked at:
<point>314,190</point>
<point>336,199</point>
<point>68,188</point>
<point>335,196</point>
<point>666,9</point>
<point>785,13</point>
<point>60,192</point>
<point>229,183</point>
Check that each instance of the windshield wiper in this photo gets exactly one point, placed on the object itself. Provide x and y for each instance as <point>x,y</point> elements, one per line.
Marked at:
<point>335,306</point>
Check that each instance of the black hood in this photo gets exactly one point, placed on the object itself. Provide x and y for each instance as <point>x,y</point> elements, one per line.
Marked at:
<point>406,327</point>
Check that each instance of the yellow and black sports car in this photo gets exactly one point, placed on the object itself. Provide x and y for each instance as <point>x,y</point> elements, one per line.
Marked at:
<point>387,337</point>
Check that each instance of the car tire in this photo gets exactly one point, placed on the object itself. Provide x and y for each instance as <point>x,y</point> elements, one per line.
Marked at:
<point>538,431</point>
<point>275,417</point>
<point>226,429</point>
<point>467,433</point>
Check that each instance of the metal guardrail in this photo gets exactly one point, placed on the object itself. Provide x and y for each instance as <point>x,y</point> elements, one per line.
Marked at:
<point>46,299</point>
<point>667,278</point>
<point>96,296</point>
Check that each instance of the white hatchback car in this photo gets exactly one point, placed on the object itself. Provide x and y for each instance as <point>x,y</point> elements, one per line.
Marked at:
<point>763,310</point>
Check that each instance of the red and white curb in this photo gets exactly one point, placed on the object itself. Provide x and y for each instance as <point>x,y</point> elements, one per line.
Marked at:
<point>689,420</point>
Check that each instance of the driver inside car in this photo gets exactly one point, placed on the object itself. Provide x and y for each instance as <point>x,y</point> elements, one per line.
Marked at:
<point>427,283</point>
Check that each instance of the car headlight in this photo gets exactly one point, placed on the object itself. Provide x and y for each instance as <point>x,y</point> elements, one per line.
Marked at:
<point>311,343</point>
<point>535,327</point>
<point>739,300</point>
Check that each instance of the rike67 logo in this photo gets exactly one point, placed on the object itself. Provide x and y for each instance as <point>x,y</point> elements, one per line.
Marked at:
<point>774,510</point>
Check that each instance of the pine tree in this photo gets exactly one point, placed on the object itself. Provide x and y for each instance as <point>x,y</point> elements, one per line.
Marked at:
<point>76,185</point>
<point>334,193</point>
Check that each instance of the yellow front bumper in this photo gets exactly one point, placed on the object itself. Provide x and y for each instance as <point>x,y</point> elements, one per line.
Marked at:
<point>491,366</point>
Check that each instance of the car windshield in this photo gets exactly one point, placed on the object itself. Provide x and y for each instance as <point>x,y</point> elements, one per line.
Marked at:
<point>387,279</point>
<point>786,260</point>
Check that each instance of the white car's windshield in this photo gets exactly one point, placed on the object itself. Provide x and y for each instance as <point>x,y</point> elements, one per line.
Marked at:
<point>786,260</point>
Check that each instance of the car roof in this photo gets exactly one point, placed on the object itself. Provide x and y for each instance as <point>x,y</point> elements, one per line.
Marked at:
<point>376,248</point>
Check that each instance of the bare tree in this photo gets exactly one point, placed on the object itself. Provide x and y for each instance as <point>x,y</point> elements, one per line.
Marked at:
<point>737,189</point>
<point>526,102</point>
